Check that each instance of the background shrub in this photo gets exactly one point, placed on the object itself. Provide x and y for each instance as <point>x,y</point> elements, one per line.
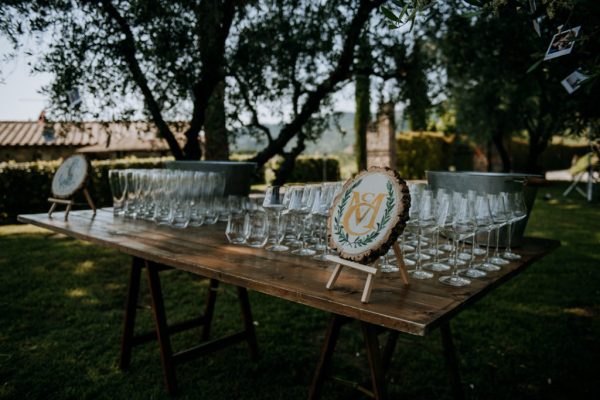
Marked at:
<point>25,187</point>
<point>308,169</point>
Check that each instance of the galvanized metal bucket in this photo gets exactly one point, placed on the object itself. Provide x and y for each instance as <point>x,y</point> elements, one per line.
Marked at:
<point>238,174</point>
<point>490,182</point>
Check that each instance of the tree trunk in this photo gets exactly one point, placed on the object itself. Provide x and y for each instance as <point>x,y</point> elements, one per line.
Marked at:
<point>289,161</point>
<point>362,96</point>
<point>216,145</point>
<point>498,139</point>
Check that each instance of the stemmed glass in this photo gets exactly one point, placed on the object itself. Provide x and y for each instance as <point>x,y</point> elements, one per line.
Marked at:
<point>483,219</point>
<point>425,223</point>
<point>500,217</point>
<point>517,211</point>
<point>462,221</point>
<point>441,213</point>
<point>274,202</point>
<point>483,212</point>
<point>118,187</point>
<point>329,191</point>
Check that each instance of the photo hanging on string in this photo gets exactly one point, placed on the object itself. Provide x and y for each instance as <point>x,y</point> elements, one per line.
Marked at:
<point>573,82</point>
<point>562,43</point>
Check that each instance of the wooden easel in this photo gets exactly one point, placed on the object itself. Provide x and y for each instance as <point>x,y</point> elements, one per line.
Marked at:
<point>70,203</point>
<point>369,269</point>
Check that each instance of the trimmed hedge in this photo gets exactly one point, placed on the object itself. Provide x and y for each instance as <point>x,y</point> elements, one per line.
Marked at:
<point>25,187</point>
<point>308,169</point>
<point>418,152</point>
<point>421,151</point>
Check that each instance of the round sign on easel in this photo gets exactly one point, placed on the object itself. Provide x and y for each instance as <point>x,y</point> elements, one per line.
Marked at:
<point>368,215</point>
<point>70,176</point>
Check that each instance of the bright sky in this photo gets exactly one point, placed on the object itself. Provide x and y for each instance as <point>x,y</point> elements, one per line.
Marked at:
<point>20,99</point>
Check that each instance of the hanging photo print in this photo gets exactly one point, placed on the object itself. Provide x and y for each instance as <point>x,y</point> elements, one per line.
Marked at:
<point>573,82</point>
<point>562,43</point>
<point>536,21</point>
<point>74,97</point>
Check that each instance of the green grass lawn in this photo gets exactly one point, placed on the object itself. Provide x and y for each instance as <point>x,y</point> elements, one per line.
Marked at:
<point>61,311</point>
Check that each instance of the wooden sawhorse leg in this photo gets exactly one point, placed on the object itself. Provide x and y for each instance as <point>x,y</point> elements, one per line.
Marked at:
<point>163,330</point>
<point>379,361</point>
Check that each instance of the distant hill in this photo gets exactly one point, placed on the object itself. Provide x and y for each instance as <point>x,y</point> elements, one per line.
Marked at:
<point>331,142</point>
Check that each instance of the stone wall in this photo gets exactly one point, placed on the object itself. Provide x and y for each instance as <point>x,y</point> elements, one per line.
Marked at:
<point>381,142</point>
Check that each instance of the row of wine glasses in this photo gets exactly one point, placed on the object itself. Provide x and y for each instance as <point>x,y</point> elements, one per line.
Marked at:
<point>172,197</point>
<point>290,218</point>
<point>460,217</point>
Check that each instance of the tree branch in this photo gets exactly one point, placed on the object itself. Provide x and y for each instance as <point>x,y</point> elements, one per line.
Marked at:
<point>128,51</point>
<point>337,75</point>
<point>255,121</point>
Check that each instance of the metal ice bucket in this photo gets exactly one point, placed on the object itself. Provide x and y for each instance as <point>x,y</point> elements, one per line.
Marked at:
<point>238,174</point>
<point>490,182</point>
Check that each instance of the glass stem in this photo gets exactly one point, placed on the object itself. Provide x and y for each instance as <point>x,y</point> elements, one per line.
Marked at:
<point>472,250</point>
<point>497,242</point>
<point>418,267</point>
<point>455,266</point>
<point>487,247</point>
<point>509,237</point>
<point>436,256</point>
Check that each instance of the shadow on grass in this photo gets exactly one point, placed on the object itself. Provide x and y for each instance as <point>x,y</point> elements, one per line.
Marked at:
<point>62,300</point>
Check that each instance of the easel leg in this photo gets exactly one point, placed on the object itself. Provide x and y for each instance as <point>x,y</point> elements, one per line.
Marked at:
<point>248,322</point>
<point>375,360</point>
<point>67,211</point>
<point>89,200</point>
<point>133,291</point>
<point>160,319</point>
<point>52,208</point>
<point>451,361</point>
<point>331,337</point>
<point>334,276</point>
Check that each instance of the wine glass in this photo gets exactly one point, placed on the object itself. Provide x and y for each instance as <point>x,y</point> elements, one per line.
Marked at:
<point>274,202</point>
<point>441,213</point>
<point>517,210</point>
<point>501,218</point>
<point>462,221</point>
<point>425,222</point>
<point>329,192</point>
<point>482,221</point>
<point>483,212</point>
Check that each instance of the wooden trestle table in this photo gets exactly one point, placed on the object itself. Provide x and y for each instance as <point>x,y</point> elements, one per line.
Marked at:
<point>416,309</point>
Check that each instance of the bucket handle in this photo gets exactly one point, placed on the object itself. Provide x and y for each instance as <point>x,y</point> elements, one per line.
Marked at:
<point>523,181</point>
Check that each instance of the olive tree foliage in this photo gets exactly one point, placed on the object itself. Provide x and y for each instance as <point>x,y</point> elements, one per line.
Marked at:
<point>115,52</point>
<point>280,54</point>
<point>498,83</point>
<point>291,57</point>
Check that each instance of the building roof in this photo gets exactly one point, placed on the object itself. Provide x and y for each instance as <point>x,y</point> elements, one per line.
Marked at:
<point>90,136</point>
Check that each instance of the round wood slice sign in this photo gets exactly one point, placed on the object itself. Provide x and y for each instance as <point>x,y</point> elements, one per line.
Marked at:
<point>368,215</point>
<point>70,176</point>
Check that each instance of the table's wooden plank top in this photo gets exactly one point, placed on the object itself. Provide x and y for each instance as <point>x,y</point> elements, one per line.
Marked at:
<point>414,309</point>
